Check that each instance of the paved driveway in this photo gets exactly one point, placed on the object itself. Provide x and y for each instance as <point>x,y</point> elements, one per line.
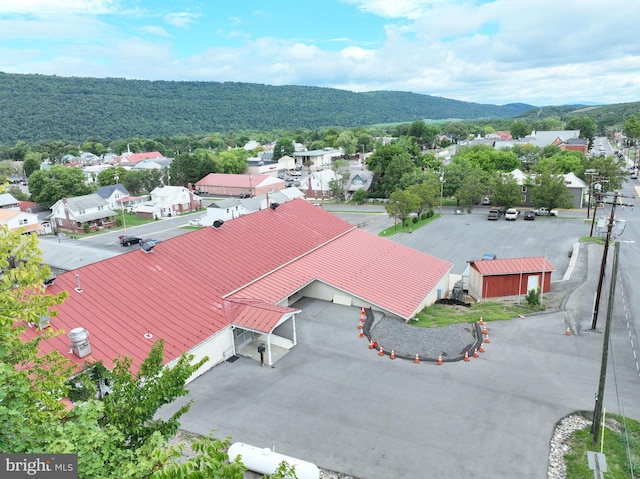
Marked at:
<point>334,402</point>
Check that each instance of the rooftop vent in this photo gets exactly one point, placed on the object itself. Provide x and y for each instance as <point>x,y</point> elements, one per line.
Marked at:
<point>273,206</point>
<point>147,246</point>
<point>218,223</point>
<point>49,281</point>
<point>79,338</point>
<point>78,288</point>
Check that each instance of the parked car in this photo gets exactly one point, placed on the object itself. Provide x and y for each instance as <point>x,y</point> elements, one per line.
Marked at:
<point>545,212</point>
<point>245,195</point>
<point>129,240</point>
<point>511,214</point>
<point>195,222</point>
<point>530,215</point>
<point>486,200</point>
<point>502,210</point>
<point>489,256</point>
<point>493,215</point>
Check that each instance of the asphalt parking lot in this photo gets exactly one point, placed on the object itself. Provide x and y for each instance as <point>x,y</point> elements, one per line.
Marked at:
<point>336,403</point>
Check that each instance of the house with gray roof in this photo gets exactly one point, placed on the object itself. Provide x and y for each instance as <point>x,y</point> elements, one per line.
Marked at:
<point>82,213</point>
<point>8,202</point>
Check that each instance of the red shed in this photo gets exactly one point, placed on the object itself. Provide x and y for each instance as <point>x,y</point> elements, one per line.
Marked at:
<point>509,277</point>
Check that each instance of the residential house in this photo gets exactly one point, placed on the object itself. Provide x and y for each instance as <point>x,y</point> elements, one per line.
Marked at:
<point>132,159</point>
<point>581,145</point>
<point>223,184</point>
<point>174,200</point>
<point>217,291</point>
<point>317,184</point>
<point>578,189</point>
<point>8,202</point>
<point>82,213</point>
<point>359,180</point>
<point>509,277</point>
<point>118,198</point>
<point>21,220</point>
<point>229,208</point>
<point>317,159</point>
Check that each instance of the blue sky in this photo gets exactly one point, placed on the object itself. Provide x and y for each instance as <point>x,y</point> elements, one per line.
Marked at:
<point>541,52</point>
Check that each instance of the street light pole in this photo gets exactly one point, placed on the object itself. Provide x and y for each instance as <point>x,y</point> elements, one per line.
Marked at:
<point>441,189</point>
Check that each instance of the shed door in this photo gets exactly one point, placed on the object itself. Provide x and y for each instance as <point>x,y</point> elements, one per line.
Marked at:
<point>532,283</point>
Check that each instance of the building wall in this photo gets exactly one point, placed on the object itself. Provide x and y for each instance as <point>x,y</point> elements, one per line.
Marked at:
<point>218,348</point>
<point>481,287</point>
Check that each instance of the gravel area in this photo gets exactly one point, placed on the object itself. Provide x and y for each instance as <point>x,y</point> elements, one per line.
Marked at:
<point>407,340</point>
<point>558,446</point>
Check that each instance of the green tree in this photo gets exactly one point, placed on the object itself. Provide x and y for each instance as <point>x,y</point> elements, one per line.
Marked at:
<point>401,204</point>
<point>348,142</point>
<point>586,126</point>
<point>17,193</point>
<point>94,147</point>
<point>474,185</point>
<point>20,151</point>
<point>519,129</point>
<point>610,167</point>
<point>283,147</point>
<point>631,129</point>
<point>548,189</point>
<point>134,181</point>
<point>232,161</point>
<point>31,163</point>
<point>360,196</point>
<point>108,177</point>
<point>338,185</point>
<point>427,192</point>
<point>505,189</point>
<point>187,168</point>
<point>48,186</point>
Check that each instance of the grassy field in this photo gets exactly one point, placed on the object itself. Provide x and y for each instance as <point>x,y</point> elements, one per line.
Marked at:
<point>410,226</point>
<point>621,448</point>
<point>439,315</point>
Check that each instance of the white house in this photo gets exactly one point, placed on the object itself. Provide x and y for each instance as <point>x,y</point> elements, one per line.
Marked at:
<point>16,219</point>
<point>174,200</point>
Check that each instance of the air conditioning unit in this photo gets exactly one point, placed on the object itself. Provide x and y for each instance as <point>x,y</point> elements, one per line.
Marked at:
<point>79,338</point>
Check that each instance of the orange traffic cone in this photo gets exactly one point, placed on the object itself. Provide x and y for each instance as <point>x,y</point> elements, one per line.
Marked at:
<point>568,331</point>
<point>381,353</point>
<point>486,339</point>
<point>392,355</point>
<point>440,360</point>
<point>363,316</point>
<point>475,353</point>
<point>480,322</point>
<point>484,330</point>
<point>362,333</point>
<point>417,359</point>
<point>359,325</point>
<point>370,344</point>
<point>466,356</point>
<point>481,348</point>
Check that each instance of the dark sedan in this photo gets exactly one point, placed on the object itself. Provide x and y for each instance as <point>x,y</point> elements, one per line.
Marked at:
<point>129,240</point>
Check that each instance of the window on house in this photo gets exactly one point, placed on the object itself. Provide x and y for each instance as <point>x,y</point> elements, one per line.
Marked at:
<point>524,189</point>
<point>23,221</point>
<point>81,211</point>
<point>100,208</point>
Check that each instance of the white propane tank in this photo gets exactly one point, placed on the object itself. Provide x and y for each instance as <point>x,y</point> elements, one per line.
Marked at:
<point>265,461</point>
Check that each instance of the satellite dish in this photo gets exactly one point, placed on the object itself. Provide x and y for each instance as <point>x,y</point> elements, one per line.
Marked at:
<point>273,206</point>
<point>218,223</point>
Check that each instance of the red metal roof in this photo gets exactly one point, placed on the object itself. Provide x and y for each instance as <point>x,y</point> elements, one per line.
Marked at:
<point>492,267</point>
<point>191,286</point>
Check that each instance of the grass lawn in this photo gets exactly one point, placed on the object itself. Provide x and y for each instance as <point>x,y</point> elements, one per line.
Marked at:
<point>398,228</point>
<point>621,441</point>
<point>438,315</point>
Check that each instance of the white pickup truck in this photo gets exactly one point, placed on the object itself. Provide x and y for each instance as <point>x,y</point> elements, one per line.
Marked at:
<point>545,212</point>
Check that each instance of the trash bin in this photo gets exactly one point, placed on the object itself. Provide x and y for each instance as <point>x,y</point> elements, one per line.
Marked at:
<point>458,211</point>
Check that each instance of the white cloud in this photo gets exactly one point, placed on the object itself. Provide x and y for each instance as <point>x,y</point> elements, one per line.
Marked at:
<point>46,7</point>
<point>181,19</point>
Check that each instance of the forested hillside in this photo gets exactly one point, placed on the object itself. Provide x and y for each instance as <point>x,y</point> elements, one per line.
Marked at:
<point>36,108</point>
<point>605,116</point>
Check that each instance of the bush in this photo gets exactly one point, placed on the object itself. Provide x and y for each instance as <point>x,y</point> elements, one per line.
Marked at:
<point>533,297</point>
<point>86,228</point>
<point>414,220</point>
<point>423,216</point>
<point>430,213</point>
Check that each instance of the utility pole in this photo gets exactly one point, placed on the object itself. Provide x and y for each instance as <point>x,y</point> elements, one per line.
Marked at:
<point>603,263</point>
<point>597,412</point>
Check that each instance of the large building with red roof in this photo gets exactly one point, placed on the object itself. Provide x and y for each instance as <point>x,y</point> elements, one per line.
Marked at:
<point>210,290</point>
